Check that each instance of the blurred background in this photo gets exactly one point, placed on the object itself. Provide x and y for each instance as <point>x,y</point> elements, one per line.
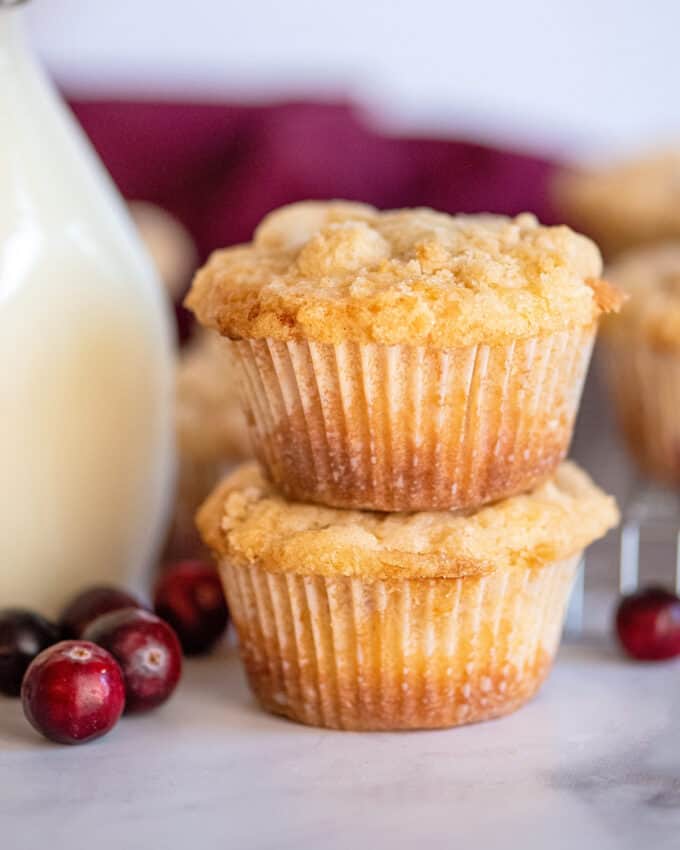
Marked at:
<point>218,112</point>
<point>566,78</point>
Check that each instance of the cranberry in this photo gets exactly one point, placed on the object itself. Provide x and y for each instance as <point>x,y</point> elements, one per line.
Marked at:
<point>189,596</point>
<point>23,635</point>
<point>73,692</point>
<point>147,650</point>
<point>90,604</point>
<point>648,624</point>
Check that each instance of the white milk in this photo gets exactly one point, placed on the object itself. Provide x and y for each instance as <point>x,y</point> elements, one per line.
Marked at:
<point>86,359</point>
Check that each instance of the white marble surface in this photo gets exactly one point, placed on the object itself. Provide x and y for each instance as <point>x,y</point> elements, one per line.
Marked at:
<point>593,762</point>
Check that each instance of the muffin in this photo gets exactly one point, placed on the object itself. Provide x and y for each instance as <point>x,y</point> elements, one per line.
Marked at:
<point>211,432</point>
<point>625,205</point>
<point>169,244</point>
<point>640,352</point>
<point>359,620</point>
<point>406,360</point>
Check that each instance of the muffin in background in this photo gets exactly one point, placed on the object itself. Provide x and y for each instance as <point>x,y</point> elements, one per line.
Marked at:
<point>640,352</point>
<point>211,432</point>
<point>358,620</point>
<point>625,205</point>
<point>174,254</point>
<point>169,243</point>
<point>406,360</point>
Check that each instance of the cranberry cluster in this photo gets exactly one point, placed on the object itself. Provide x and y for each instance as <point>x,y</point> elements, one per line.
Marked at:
<point>108,653</point>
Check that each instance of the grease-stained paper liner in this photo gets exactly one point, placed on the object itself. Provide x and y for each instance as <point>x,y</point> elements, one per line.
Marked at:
<point>398,428</point>
<point>645,387</point>
<point>398,654</point>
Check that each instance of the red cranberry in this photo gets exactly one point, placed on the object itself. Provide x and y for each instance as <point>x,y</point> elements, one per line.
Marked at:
<point>147,650</point>
<point>23,635</point>
<point>189,596</point>
<point>648,624</point>
<point>92,603</point>
<point>73,692</point>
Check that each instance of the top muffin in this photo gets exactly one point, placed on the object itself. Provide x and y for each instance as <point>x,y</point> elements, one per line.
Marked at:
<point>625,205</point>
<point>339,271</point>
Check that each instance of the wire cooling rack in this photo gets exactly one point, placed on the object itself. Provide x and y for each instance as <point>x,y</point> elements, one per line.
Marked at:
<point>651,515</point>
<point>649,547</point>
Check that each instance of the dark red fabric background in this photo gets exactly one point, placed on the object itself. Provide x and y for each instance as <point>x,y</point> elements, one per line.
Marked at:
<point>219,168</point>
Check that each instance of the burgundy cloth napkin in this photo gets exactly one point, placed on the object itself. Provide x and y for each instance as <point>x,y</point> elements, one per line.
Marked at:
<point>220,167</point>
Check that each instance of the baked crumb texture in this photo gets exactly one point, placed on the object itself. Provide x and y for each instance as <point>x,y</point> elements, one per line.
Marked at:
<point>626,205</point>
<point>249,522</point>
<point>338,272</point>
<point>412,428</point>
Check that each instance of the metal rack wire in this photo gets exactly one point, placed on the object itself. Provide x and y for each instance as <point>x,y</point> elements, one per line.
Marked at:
<point>652,512</point>
<point>650,515</point>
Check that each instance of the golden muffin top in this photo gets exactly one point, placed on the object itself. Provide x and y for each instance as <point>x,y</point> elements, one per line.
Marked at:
<point>340,271</point>
<point>247,521</point>
<point>651,278</point>
<point>626,204</point>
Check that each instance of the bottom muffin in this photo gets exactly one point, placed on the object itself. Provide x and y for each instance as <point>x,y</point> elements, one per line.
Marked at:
<point>357,620</point>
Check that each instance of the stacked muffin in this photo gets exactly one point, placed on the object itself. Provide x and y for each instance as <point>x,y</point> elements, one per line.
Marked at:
<point>402,555</point>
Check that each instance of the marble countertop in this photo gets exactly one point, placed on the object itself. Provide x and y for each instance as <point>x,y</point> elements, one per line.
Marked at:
<point>593,762</point>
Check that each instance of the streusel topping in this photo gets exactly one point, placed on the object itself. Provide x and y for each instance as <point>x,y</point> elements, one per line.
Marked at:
<point>248,521</point>
<point>339,271</point>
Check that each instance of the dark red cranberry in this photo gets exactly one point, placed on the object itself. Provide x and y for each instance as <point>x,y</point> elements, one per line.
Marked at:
<point>23,635</point>
<point>73,692</point>
<point>648,624</point>
<point>147,650</point>
<point>189,596</point>
<point>92,603</point>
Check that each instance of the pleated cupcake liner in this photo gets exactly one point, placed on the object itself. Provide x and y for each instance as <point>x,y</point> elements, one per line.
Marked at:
<point>344,653</point>
<point>645,388</point>
<point>398,428</point>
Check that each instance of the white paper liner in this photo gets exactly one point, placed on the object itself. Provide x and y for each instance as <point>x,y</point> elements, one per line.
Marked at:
<point>396,428</point>
<point>421,653</point>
